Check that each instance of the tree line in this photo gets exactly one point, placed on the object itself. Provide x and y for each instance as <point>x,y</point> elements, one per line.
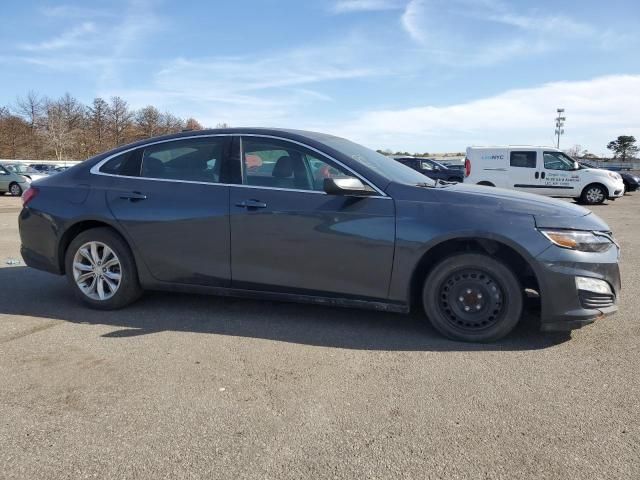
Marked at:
<point>37,127</point>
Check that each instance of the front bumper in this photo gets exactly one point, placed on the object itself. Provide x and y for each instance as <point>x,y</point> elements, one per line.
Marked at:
<point>563,306</point>
<point>616,190</point>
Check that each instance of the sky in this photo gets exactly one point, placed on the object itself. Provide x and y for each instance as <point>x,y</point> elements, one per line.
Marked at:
<point>416,75</point>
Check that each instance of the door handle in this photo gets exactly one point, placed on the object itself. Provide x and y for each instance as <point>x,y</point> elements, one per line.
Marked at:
<point>133,196</point>
<point>542,175</point>
<point>537,175</point>
<point>250,204</point>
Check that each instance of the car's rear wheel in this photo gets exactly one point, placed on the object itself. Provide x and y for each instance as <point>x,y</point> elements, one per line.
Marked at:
<point>101,269</point>
<point>15,189</point>
<point>473,298</point>
<point>593,194</point>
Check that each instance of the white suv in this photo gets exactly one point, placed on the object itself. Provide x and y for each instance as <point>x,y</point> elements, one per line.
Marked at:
<point>541,170</point>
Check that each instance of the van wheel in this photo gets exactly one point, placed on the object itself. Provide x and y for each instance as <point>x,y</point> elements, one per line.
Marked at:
<point>473,298</point>
<point>593,194</point>
<point>101,269</point>
<point>15,189</point>
<point>486,184</point>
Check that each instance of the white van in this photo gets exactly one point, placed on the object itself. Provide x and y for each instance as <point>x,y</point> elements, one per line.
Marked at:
<point>541,170</point>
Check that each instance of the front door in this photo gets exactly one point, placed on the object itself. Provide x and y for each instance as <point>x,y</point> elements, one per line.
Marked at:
<point>169,199</point>
<point>287,234</point>
<point>560,175</point>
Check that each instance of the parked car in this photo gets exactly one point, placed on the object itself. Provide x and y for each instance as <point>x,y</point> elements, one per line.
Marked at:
<point>42,167</point>
<point>631,181</point>
<point>541,170</point>
<point>333,223</point>
<point>432,169</point>
<point>21,169</point>
<point>12,182</point>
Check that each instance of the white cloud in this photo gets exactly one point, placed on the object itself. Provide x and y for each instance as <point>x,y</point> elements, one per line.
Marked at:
<point>597,110</point>
<point>454,32</point>
<point>348,6</point>
<point>72,38</point>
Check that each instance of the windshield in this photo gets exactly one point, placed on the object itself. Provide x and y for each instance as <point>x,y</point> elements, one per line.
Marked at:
<point>18,168</point>
<point>385,166</point>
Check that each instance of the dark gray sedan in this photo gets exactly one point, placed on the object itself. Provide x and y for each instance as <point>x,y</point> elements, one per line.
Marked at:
<point>304,216</point>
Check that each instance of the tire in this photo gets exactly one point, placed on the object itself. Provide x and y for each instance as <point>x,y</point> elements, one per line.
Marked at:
<point>97,290</point>
<point>473,298</point>
<point>593,194</point>
<point>15,189</point>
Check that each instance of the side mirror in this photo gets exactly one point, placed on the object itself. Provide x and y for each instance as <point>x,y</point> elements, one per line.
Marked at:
<point>347,186</point>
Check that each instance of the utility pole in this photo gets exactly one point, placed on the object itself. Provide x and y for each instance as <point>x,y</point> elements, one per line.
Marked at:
<point>559,126</point>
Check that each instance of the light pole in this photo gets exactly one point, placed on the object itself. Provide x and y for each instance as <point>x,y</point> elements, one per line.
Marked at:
<point>559,125</point>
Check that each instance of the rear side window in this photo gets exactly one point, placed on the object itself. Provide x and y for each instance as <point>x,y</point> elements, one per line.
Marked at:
<point>126,164</point>
<point>523,159</point>
<point>194,160</point>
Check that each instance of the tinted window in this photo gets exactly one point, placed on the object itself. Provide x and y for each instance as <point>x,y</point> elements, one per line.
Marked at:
<point>127,164</point>
<point>558,161</point>
<point>523,159</point>
<point>279,164</point>
<point>195,160</point>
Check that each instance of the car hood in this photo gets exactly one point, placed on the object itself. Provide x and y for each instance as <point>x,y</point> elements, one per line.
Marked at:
<point>547,212</point>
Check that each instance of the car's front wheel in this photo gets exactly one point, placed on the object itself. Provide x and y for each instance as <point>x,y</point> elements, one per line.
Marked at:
<point>593,194</point>
<point>15,189</point>
<point>472,297</point>
<point>101,269</point>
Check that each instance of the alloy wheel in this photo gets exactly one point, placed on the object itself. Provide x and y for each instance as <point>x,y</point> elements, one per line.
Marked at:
<point>97,270</point>
<point>595,195</point>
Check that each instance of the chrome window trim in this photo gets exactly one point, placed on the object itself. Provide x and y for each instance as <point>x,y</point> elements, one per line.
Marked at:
<point>95,170</point>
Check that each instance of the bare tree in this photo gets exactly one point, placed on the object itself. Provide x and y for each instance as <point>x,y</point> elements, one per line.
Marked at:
<point>170,123</point>
<point>31,108</point>
<point>98,114</point>
<point>58,132</point>
<point>66,128</point>
<point>14,132</point>
<point>148,121</point>
<point>120,120</point>
<point>192,124</point>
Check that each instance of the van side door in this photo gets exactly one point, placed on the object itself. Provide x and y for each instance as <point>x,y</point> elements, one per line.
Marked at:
<point>524,170</point>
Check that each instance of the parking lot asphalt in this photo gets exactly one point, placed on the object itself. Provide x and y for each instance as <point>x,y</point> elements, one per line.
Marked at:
<point>187,386</point>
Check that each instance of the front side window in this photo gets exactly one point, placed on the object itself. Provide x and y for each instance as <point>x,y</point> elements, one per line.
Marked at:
<point>425,165</point>
<point>279,164</point>
<point>558,161</point>
<point>3,171</point>
<point>194,160</point>
<point>523,159</point>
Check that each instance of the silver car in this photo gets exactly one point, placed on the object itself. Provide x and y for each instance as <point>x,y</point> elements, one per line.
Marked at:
<point>21,169</point>
<point>12,182</point>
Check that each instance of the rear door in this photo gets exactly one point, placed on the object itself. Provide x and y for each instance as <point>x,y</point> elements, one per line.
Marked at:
<point>171,200</point>
<point>288,235</point>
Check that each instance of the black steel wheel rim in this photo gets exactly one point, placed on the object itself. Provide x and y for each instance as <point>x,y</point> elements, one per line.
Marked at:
<point>471,300</point>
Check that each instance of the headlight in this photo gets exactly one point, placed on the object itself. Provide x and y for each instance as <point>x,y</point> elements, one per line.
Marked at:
<point>579,240</point>
<point>615,175</point>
